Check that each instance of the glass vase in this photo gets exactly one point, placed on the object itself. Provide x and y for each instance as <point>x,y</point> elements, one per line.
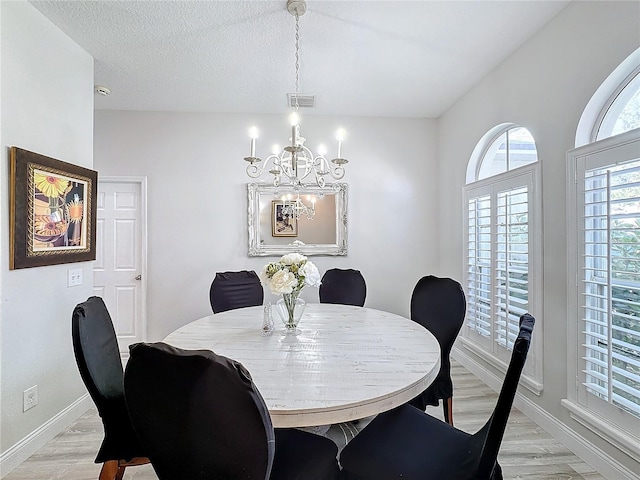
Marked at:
<point>290,308</point>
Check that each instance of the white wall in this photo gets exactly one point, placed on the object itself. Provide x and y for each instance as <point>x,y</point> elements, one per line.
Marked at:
<point>405,208</point>
<point>46,101</point>
<point>198,202</point>
<point>544,86</point>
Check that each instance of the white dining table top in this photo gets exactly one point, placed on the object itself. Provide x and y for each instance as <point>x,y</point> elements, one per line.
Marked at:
<point>346,363</point>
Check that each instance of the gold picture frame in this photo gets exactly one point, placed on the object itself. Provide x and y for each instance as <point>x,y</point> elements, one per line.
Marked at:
<point>52,211</point>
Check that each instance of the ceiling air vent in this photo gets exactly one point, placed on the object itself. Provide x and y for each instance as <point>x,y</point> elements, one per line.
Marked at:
<point>303,100</point>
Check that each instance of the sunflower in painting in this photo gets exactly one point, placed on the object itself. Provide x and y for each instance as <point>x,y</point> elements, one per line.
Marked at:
<point>51,186</point>
<point>48,228</point>
<point>74,209</point>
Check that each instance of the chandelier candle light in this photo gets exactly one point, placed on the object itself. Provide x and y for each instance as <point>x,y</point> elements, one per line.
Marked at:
<point>296,165</point>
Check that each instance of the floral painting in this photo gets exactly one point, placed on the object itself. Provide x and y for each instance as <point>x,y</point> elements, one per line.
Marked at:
<point>52,211</point>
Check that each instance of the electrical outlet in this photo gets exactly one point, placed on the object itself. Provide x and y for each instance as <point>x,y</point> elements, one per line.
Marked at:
<point>29,398</point>
<point>74,277</point>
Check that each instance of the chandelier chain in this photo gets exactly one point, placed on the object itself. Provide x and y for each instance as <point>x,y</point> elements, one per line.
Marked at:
<point>297,56</point>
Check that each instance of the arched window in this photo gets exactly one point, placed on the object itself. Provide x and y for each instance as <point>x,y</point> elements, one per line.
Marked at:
<point>503,247</point>
<point>511,149</point>
<point>603,252</point>
<point>614,108</point>
<point>623,111</point>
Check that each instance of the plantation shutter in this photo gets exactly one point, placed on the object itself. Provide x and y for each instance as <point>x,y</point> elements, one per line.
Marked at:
<point>479,265</point>
<point>512,263</point>
<point>609,277</point>
<point>498,260</point>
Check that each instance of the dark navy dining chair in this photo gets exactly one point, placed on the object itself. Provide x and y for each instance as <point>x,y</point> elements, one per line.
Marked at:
<point>343,286</point>
<point>230,290</point>
<point>96,350</point>
<point>408,443</point>
<point>439,305</point>
<point>201,417</point>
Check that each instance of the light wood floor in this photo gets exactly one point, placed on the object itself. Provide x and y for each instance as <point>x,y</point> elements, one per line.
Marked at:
<point>527,451</point>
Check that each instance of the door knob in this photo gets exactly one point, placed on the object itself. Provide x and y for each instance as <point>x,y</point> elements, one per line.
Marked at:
<point>138,277</point>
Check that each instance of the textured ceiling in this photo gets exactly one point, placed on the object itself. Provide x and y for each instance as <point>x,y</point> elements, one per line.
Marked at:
<point>363,58</point>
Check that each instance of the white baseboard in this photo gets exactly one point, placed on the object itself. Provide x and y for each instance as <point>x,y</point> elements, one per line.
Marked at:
<point>30,444</point>
<point>598,459</point>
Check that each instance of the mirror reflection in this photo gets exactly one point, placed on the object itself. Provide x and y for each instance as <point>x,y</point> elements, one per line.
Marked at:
<point>311,221</point>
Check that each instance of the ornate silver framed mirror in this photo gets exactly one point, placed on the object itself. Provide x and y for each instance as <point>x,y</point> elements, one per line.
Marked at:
<point>275,229</point>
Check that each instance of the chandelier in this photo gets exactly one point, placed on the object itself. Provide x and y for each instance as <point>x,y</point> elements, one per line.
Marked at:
<point>296,208</point>
<point>296,165</point>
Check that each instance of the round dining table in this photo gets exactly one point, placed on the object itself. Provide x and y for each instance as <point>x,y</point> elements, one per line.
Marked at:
<point>346,362</point>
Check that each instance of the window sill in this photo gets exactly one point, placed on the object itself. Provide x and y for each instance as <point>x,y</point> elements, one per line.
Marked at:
<point>527,381</point>
<point>599,425</point>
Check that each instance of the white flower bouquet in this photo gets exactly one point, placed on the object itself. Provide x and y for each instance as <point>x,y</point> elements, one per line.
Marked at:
<point>287,277</point>
<point>290,274</point>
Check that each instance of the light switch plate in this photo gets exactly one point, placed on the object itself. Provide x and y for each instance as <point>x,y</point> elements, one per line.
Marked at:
<point>74,277</point>
<point>29,398</point>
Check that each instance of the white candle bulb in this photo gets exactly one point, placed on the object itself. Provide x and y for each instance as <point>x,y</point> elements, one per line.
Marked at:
<point>294,127</point>
<point>275,149</point>
<point>322,150</point>
<point>253,134</point>
<point>340,137</point>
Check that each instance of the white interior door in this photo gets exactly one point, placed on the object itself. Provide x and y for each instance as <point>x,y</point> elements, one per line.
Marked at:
<point>119,269</point>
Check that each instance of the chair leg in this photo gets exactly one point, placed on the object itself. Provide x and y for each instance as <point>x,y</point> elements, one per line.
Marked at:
<point>497,472</point>
<point>447,406</point>
<point>120,473</point>
<point>109,470</point>
<point>114,469</point>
